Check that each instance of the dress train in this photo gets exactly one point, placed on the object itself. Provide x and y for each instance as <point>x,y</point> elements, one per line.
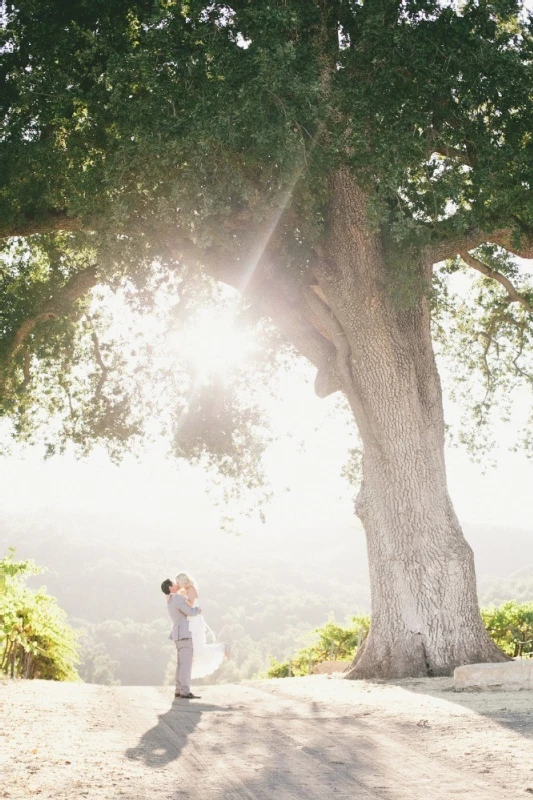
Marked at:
<point>207,656</point>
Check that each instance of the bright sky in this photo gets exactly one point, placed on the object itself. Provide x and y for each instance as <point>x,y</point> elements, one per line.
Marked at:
<point>308,490</point>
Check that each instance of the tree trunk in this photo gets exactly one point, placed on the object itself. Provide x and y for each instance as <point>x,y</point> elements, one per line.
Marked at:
<point>27,665</point>
<point>6,655</point>
<point>425,614</point>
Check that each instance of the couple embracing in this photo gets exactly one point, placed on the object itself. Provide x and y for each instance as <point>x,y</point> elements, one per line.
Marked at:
<point>195,658</point>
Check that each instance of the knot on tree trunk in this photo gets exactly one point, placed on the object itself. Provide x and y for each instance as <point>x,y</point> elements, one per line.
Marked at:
<point>327,381</point>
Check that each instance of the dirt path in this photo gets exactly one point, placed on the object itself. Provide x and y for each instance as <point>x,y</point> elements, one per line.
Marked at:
<point>311,738</point>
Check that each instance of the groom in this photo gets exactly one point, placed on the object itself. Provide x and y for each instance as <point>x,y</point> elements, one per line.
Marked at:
<point>179,610</point>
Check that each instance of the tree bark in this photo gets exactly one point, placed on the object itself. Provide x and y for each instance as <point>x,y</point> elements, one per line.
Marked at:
<point>425,613</point>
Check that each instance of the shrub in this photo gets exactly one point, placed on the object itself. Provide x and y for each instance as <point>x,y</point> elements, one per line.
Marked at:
<point>333,641</point>
<point>35,639</point>
<point>510,626</point>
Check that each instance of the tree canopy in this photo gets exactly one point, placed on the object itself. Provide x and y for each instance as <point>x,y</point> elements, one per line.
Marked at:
<point>191,133</point>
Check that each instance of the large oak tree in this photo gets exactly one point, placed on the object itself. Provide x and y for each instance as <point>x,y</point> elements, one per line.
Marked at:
<point>320,157</point>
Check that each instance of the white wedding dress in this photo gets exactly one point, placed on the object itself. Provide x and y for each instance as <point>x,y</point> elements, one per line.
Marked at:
<point>207,656</point>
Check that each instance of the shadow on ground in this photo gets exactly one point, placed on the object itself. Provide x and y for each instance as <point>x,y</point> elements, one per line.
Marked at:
<point>164,742</point>
<point>249,752</point>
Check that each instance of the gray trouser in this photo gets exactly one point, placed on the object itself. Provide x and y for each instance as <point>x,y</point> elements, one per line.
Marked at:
<point>183,665</point>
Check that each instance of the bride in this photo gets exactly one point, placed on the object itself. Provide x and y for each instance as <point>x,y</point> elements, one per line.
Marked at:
<point>207,657</point>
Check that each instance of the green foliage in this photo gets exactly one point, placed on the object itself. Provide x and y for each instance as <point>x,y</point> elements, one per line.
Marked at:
<point>511,627</point>
<point>352,470</point>
<point>333,642</point>
<point>245,94</point>
<point>35,639</point>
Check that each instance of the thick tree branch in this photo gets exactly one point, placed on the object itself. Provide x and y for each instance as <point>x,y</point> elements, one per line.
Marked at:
<point>252,274</point>
<point>326,321</point>
<point>291,315</point>
<point>78,285</point>
<point>54,222</point>
<point>513,295</point>
<point>451,152</point>
<point>503,237</point>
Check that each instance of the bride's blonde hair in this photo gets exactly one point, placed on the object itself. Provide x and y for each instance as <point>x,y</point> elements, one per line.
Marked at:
<point>185,580</point>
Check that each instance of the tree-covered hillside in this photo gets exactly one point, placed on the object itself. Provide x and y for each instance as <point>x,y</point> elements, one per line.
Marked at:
<point>252,596</point>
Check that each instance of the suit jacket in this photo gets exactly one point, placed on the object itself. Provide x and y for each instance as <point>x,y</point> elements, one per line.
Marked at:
<point>179,612</point>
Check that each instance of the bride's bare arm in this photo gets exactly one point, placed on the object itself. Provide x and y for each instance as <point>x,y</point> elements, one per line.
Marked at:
<point>191,595</point>
<point>185,594</point>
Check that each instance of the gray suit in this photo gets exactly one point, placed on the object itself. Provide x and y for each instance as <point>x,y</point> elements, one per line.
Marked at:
<point>179,612</point>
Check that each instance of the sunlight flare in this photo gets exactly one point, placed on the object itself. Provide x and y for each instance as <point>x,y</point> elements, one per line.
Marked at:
<point>213,343</point>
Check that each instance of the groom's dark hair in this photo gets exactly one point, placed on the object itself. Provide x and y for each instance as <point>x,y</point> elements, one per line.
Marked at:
<point>165,586</point>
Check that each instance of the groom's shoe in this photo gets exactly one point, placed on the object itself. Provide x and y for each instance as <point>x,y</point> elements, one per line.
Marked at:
<point>190,696</point>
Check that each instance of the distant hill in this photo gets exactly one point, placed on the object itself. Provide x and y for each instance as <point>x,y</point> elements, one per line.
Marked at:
<point>499,552</point>
<point>517,586</point>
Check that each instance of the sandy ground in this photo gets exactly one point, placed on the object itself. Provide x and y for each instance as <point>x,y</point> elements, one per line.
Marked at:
<point>314,738</point>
